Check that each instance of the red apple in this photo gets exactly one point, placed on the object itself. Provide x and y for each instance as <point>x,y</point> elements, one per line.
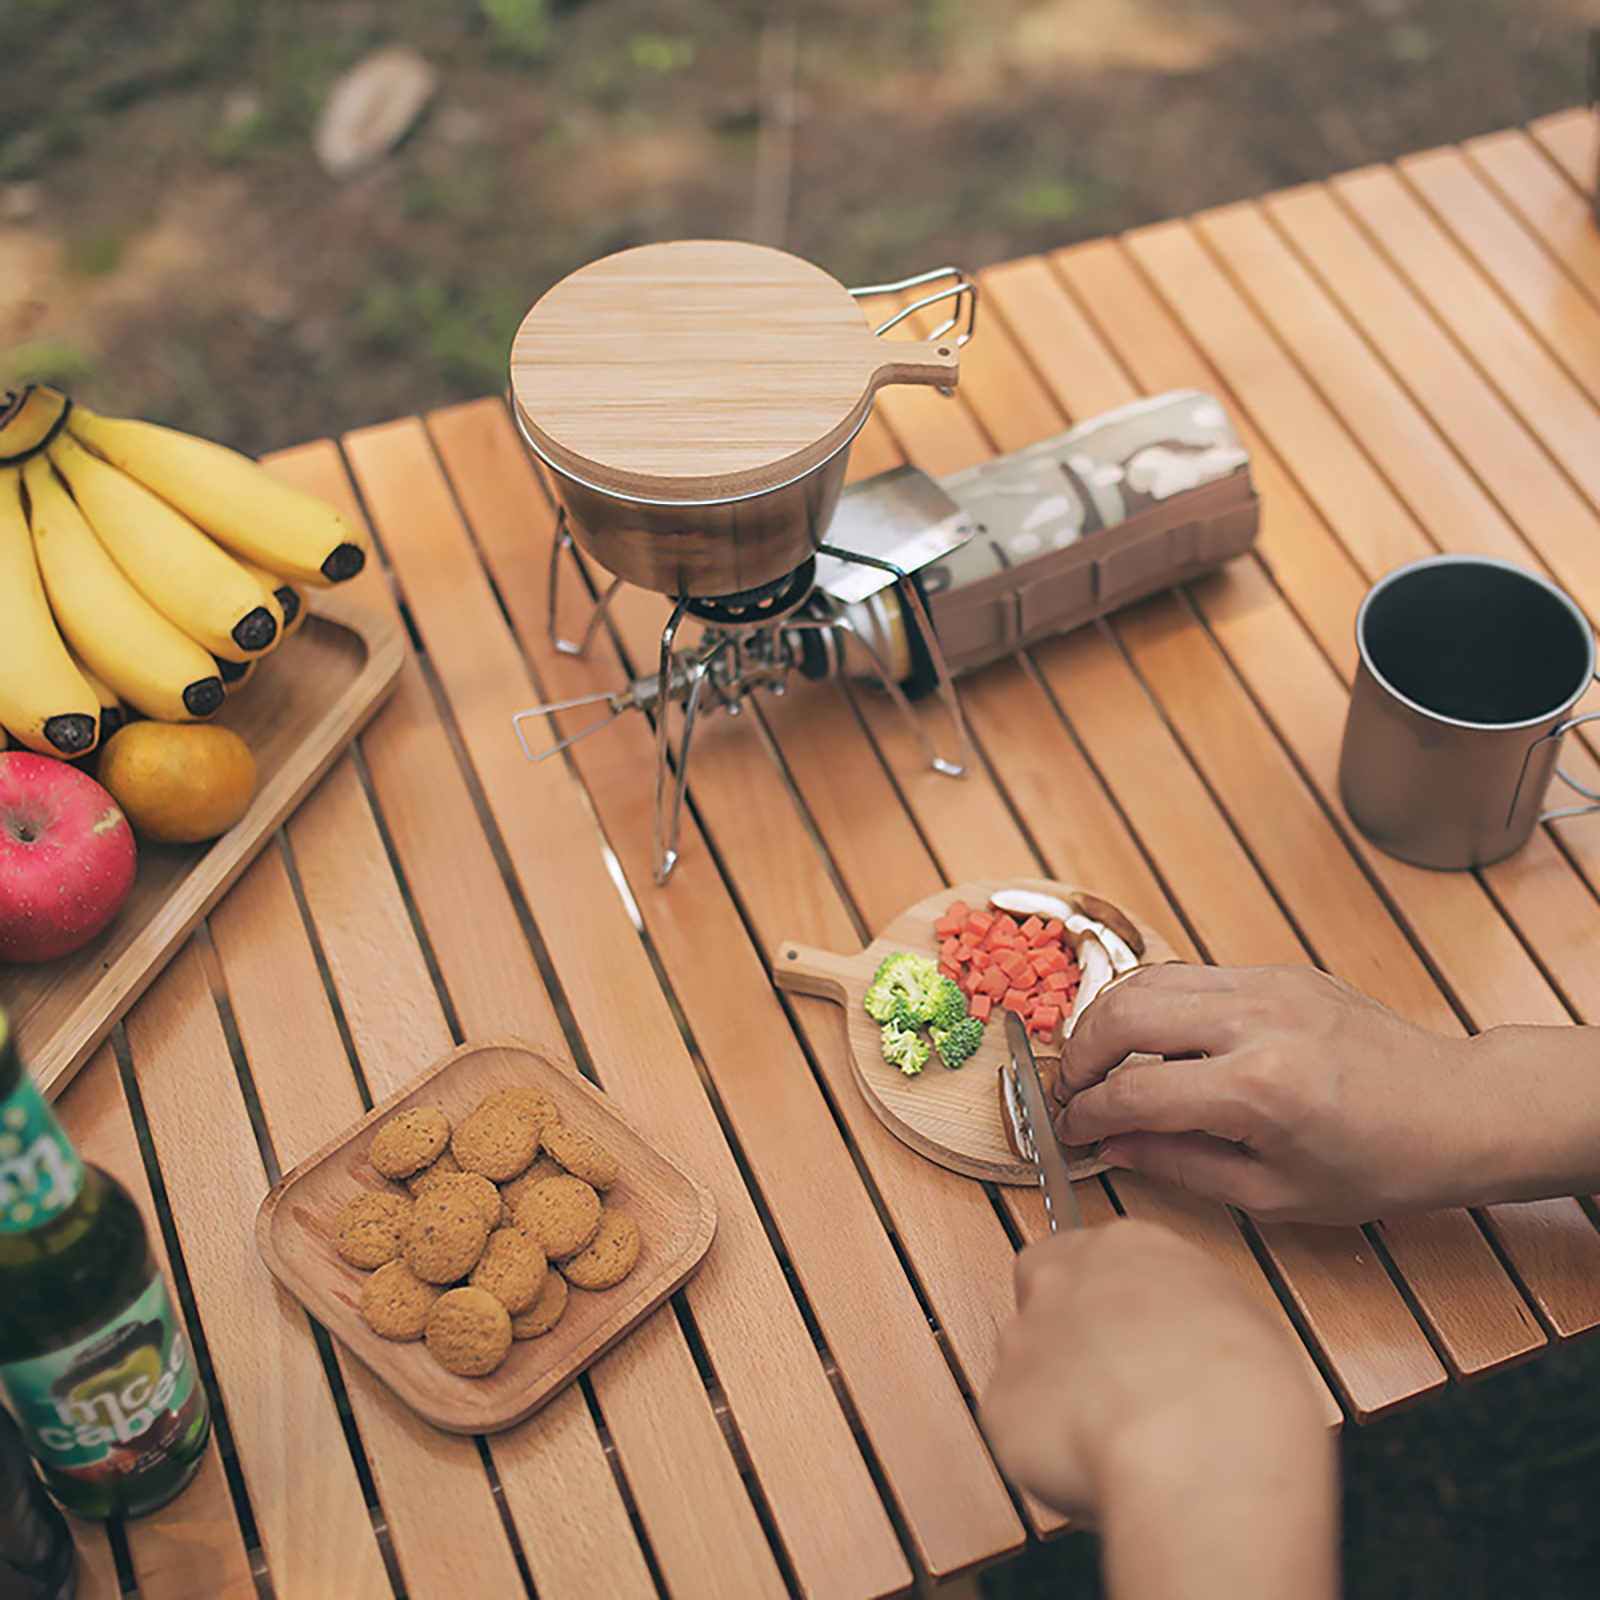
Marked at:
<point>67,857</point>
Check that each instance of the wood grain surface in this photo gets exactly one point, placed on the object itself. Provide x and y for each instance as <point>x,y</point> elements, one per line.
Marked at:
<point>952,1116</point>
<point>702,370</point>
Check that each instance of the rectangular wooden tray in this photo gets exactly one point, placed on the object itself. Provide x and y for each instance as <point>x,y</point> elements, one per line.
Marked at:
<point>674,1210</point>
<point>301,707</point>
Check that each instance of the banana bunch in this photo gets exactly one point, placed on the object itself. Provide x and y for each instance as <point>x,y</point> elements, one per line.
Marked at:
<point>142,569</point>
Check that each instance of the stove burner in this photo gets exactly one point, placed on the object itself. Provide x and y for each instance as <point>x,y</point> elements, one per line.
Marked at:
<point>771,602</point>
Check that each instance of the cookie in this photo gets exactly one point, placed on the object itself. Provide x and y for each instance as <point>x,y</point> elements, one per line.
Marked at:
<point>498,1140</point>
<point>512,1268</point>
<point>545,1312</point>
<point>561,1213</point>
<point>445,1233</point>
<point>468,1332</point>
<point>409,1141</point>
<point>544,1166</point>
<point>445,1166</point>
<point>395,1302</point>
<point>582,1155</point>
<point>484,1196</point>
<point>534,1101</point>
<point>368,1229</point>
<point>608,1258</point>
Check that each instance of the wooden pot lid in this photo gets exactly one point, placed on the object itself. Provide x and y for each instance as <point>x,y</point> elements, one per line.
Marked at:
<point>702,370</point>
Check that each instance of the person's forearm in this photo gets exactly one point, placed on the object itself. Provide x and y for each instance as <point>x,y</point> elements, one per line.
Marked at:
<point>1250,1513</point>
<point>1535,1099</point>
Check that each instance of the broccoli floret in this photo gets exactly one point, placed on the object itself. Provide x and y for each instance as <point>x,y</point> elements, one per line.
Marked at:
<point>949,1005</point>
<point>958,1041</point>
<point>904,1048</point>
<point>903,989</point>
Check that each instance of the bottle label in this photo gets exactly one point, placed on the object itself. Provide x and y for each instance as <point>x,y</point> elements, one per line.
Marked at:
<point>114,1404</point>
<point>40,1172</point>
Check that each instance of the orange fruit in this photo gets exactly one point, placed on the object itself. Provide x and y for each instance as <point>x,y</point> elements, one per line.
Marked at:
<point>178,782</point>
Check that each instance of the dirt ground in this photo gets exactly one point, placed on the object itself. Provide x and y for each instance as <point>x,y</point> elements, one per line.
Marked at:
<point>170,246</point>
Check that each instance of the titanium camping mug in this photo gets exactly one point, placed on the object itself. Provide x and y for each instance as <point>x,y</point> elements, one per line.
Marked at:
<point>1469,670</point>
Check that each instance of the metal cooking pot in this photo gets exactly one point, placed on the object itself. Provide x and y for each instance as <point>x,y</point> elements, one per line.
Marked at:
<point>694,404</point>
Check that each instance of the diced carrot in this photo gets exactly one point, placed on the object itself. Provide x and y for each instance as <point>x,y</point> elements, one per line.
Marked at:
<point>1014,1000</point>
<point>1045,1018</point>
<point>1016,967</point>
<point>1056,929</point>
<point>1052,958</point>
<point>1056,982</point>
<point>948,969</point>
<point>979,923</point>
<point>979,959</point>
<point>950,926</point>
<point>947,949</point>
<point>1031,929</point>
<point>993,982</point>
<point>979,1005</point>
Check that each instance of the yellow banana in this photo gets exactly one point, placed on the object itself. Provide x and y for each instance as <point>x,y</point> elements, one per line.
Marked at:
<point>290,600</point>
<point>236,500</point>
<point>235,674</point>
<point>29,420</point>
<point>44,700</point>
<point>148,660</point>
<point>182,573</point>
<point>112,711</point>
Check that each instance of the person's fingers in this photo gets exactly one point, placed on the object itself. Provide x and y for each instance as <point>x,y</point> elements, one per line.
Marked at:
<point>1156,1096</point>
<point>1201,1165</point>
<point>1161,1011</point>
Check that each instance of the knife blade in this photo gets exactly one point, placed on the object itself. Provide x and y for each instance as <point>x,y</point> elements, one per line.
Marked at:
<point>1026,1104</point>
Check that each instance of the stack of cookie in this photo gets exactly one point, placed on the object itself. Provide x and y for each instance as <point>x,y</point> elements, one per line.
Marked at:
<point>498,1217</point>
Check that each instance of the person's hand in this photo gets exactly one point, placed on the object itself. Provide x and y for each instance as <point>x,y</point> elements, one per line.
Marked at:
<point>1140,1388</point>
<point>1285,1092</point>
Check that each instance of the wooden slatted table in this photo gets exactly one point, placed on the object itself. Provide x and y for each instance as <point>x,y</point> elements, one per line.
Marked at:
<point>1413,355</point>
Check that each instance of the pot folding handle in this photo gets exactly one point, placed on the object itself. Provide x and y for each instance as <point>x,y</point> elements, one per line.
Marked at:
<point>938,363</point>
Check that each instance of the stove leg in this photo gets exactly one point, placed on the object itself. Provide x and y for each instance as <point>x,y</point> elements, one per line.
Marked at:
<point>914,610</point>
<point>563,541</point>
<point>668,814</point>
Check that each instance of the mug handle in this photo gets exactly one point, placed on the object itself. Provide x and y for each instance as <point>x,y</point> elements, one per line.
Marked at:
<point>1593,795</point>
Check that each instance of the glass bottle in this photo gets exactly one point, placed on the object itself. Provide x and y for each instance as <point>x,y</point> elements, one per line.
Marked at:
<point>38,1560</point>
<point>93,1359</point>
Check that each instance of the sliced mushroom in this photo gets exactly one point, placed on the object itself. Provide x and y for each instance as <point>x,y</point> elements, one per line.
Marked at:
<point>1102,911</point>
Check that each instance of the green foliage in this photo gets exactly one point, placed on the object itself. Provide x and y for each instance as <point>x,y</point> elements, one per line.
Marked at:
<point>521,28</point>
<point>462,334</point>
<point>53,361</point>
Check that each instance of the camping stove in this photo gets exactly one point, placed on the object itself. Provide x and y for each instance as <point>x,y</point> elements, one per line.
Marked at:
<point>844,609</point>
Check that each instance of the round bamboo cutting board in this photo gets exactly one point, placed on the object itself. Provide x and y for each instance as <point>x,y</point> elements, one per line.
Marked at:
<point>952,1117</point>
<point>703,369</point>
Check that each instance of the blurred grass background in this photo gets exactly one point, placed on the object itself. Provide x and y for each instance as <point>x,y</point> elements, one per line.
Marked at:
<point>170,247</point>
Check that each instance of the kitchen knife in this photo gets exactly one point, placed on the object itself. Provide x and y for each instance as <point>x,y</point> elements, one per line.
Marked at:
<point>1026,1104</point>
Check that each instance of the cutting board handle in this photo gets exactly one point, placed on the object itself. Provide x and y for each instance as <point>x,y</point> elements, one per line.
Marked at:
<point>798,969</point>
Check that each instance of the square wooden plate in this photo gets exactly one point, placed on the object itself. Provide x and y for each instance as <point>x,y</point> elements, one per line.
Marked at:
<point>674,1210</point>
<point>303,706</point>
